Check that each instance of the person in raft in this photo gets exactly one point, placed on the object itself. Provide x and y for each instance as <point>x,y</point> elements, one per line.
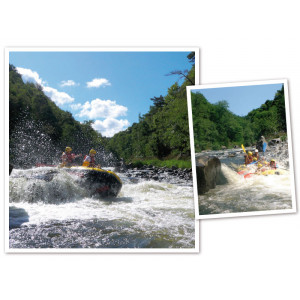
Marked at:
<point>89,160</point>
<point>256,155</point>
<point>273,164</point>
<point>67,158</point>
<point>248,158</point>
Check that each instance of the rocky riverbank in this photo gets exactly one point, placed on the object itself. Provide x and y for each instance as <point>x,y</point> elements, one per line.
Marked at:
<point>173,175</point>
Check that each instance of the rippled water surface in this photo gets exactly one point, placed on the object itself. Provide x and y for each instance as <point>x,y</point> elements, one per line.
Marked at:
<point>56,213</point>
<point>257,193</point>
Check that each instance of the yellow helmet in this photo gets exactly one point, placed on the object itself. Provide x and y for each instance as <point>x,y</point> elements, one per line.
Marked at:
<point>68,149</point>
<point>254,158</point>
<point>272,159</point>
<point>259,165</point>
<point>250,153</point>
<point>92,151</point>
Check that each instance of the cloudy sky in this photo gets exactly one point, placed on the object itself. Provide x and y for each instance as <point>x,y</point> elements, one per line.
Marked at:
<point>241,99</point>
<point>111,88</point>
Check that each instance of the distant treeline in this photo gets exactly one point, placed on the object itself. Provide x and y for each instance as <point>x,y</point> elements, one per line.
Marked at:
<point>216,126</point>
<point>161,133</point>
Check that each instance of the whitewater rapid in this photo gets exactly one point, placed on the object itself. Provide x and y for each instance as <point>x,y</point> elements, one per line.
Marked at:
<point>57,213</point>
<point>257,193</point>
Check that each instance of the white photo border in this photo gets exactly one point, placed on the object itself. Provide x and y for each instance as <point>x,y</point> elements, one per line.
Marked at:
<point>189,90</point>
<point>196,249</point>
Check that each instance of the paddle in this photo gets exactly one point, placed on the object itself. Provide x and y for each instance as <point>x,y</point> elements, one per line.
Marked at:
<point>243,148</point>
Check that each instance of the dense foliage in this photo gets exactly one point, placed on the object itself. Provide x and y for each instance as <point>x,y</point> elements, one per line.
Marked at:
<point>39,130</point>
<point>216,126</point>
<point>161,133</point>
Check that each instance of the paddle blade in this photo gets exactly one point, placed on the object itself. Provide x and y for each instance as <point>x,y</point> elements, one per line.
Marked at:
<point>243,148</point>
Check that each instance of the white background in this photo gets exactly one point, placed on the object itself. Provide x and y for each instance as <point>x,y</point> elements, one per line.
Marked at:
<point>240,258</point>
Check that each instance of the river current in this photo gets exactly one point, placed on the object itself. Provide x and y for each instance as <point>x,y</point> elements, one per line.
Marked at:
<point>257,193</point>
<point>55,212</point>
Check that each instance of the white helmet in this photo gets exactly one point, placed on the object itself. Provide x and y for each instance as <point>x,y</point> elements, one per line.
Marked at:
<point>256,150</point>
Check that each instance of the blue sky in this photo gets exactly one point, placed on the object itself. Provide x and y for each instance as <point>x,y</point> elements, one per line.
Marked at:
<point>111,88</point>
<point>242,99</point>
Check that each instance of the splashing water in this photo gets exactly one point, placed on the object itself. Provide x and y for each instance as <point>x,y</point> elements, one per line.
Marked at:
<point>257,193</point>
<point>56,213</point>
<point>30,146</point>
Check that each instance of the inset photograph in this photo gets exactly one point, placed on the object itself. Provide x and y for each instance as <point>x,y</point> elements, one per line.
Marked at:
<point>242,148</point>
<point>98,150</point>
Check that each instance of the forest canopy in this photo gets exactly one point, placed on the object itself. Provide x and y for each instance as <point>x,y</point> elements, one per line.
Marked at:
<point>216,126</point>
<point>161,133</point>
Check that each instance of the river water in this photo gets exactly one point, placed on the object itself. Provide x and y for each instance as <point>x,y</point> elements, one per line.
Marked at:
<point>56,213</point>
<point>257,193</point>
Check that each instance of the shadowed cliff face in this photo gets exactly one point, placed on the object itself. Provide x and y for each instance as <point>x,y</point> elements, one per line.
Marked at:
<point>208,173</point>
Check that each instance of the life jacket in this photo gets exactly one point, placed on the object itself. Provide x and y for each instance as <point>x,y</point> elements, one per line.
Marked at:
<point>69,157</point>
<point>91,163</point>
<point>248,160</point>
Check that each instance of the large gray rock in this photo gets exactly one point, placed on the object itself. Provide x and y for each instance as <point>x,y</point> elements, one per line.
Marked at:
<point>274,142</point>
<point>209,173</point>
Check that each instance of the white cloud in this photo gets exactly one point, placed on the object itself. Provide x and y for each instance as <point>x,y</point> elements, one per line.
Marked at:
<point>29,75</point>
<point>76,106</point>
<point>102,109</point>
<point>59,98</point>
<point>110,126</point>
<point>68,83</point>
<point>97,82</point>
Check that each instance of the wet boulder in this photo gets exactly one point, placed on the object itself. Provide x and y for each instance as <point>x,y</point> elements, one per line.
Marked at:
<point>209,173</point>
<point>274,142</point>
<point>10,168</point>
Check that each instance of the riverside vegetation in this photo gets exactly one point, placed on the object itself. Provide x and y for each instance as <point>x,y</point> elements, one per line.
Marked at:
<point>216,126</point>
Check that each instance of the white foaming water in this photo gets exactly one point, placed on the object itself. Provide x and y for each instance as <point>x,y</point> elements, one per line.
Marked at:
<point>257,193</point>
<point>155,208</point>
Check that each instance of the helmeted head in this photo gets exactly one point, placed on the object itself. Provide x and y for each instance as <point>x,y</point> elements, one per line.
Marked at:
<point>68,149</point>
<point>250,153</point>
<point>259,165</point>
<point>272,160</point>
<point>92,151</point>
<point>256,151</point>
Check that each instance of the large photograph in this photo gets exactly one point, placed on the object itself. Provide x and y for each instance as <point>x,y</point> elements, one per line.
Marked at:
<point>243,149</point>
<point>99,150</point>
